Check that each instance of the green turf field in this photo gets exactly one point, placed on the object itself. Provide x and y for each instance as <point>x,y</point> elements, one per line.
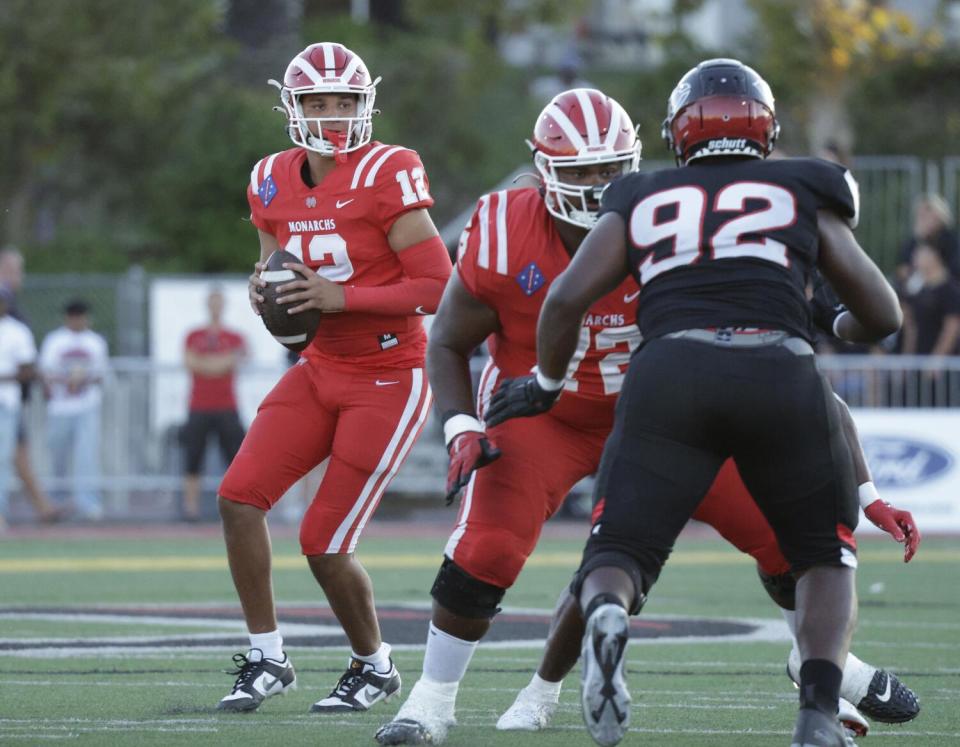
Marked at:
<point>708,692</point>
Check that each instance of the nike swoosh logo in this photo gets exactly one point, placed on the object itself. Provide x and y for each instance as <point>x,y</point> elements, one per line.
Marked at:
<point>885,695</point>
<point>265,682</point>
<point>420,310</point>
<point>630,297</point>
<point>343,203</point>
<point>368,695</point>
<point>385,383</point>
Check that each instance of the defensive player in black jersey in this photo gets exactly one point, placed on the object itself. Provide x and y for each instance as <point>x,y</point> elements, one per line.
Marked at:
<point>722,249</point>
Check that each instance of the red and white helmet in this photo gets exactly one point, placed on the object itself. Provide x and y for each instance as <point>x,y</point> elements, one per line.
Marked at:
<point>581,127</point>
<point>328,67</point>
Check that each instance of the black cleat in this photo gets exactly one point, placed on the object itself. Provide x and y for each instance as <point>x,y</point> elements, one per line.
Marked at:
<point>257,680</point>
<point>603,691</point>
<point>889,700</point>
<point>403,731</point>
<point>360,687</point>
<point>817,729</point>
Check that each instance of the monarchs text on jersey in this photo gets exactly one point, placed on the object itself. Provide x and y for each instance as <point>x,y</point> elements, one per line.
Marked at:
<point>728,242</point>
<point>510,252</point>
<point>339,228</point>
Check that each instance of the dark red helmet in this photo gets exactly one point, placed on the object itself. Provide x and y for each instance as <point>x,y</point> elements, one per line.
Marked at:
<point>720,108</point>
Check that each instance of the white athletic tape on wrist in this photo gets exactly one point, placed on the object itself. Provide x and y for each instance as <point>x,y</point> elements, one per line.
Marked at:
<point>836,321</point>
<point>550,385</point>
<point>458,424</point>
<point>868,494</point>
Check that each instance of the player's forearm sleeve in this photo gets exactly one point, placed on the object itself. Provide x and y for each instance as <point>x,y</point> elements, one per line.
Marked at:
<point>427,266</point>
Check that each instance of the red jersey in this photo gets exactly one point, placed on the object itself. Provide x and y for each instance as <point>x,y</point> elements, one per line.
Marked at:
<point>339,228</point>
<point>510,252</point>
<point>214,392</point>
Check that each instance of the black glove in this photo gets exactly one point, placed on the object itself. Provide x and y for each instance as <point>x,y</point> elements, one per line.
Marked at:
<point>469,451</point>
<point>519,398</point>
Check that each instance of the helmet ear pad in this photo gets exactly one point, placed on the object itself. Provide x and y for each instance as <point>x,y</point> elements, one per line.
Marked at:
<point>723,125</point>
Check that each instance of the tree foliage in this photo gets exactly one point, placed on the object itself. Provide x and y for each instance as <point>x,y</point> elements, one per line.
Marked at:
<point>817,53</point>
<point>128,130</point>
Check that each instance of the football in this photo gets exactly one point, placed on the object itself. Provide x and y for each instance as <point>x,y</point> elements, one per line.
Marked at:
<point>293,331</point>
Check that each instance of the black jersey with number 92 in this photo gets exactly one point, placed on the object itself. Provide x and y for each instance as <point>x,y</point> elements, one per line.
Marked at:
<point>728,243</point>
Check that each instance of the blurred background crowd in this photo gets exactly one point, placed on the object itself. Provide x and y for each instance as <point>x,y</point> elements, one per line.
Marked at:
<point>128,130</point>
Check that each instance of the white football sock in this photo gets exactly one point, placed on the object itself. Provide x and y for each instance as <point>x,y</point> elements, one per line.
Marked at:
<point>447,657</point>
<point>791,617</point>
<point>857,674</point>
<point>544,690</point>
<point>380,659</point>
<point>856,679</point>
<point>271,644</point>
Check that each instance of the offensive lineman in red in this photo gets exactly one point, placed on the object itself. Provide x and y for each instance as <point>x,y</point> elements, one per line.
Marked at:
<point>355,211</point>
<point>515,244</point>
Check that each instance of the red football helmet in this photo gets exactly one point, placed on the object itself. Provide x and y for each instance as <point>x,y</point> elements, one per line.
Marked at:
<point>328,67</point>
<point>720,108</point>
<point>581,127</point>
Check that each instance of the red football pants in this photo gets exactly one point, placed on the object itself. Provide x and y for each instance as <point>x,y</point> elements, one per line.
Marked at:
<point>364,423</point>
<point>506,503</point>
<point>729,508</point>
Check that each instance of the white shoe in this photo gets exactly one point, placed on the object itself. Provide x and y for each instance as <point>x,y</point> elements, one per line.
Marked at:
<point>529,712</point>
<point>257,679</point>
<point>425,717</point>
<point>603,690</point>
<point>876,693</point>
<point>360,688</point>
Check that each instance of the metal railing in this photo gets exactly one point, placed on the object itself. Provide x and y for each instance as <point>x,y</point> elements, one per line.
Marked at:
<point>145,405</point>
<point>894,381</point>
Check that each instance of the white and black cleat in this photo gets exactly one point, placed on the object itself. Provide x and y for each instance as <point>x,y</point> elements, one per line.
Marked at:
<point>889,700</point>
<point>425,718</point>
<point>360,688</point>
<point>257,679</point>
<point>603,690</point>
<point>876,693</point>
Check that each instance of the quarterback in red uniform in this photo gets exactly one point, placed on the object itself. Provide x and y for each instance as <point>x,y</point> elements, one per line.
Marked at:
<point>515,244</point>
<point>355,212</point>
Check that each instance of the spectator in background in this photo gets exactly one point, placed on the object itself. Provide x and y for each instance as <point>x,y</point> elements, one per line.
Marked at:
<point>73,362</point>
<point>932,225</point>
<point>931,324</point>
<point>11,278</point>
<point>17,355</point>
<point>212,355</point>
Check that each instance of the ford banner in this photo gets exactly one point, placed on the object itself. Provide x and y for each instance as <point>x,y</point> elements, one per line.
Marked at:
<point>914,456</point>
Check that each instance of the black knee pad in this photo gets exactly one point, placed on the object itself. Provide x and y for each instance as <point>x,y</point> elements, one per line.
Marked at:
<point>782,589</point>
<point>641,584</point>
<point>464,595</point>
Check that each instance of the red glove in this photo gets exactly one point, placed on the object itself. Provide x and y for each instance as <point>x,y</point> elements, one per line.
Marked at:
<point>897,523</point>
<point>469,451</point>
